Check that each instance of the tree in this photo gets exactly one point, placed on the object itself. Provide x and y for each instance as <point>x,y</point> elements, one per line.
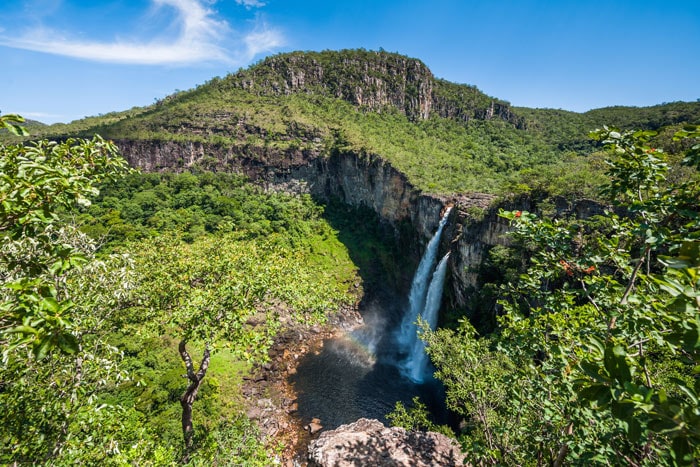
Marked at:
<point>598,344</point>
<point>56,298</point>
<point>219,291</point>
<point>37,181</point>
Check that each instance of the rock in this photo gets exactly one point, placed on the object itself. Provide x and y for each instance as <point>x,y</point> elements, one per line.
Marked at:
<point>369,442</point>
<point>314,427</point>
<point>254,413</point>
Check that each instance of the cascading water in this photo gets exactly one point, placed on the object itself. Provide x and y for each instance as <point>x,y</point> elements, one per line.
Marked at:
<point>407,335</point>
<point>417,361</point>
<point>362,373</point>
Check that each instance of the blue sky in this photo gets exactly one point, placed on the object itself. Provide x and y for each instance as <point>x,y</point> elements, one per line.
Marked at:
<point>65,59</point>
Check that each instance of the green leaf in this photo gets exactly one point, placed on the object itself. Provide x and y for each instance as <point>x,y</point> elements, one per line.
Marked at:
<point>23,330</point>
<point>680,385</point>
<point>598,393</point>
<point>68,343</point>
<point>634,430</point>
<point>681,451</point>
<point>597,344</point>
<point>17,130</point>
<point>42,347</point>
<point>622,410</point>
<point>609,361</point>
<point>593,371</point>
<point>660,425</point>
<point>50,304</point>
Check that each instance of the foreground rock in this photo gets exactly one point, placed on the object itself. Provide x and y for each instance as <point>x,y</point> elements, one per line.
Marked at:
<point>369,442</point>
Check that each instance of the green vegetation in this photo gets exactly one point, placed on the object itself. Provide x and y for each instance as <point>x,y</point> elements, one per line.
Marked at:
<point>115,283</point>
<point>596,354</point>
<point>369,103</point>
<point>103,300</point>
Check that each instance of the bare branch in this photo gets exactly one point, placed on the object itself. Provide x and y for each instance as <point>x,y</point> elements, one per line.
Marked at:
<point>188,360</point>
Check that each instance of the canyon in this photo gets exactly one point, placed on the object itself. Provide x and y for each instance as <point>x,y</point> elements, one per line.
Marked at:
<point>359,181</point>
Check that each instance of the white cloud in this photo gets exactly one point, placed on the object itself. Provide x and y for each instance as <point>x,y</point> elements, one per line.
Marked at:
<point>199,40</point>
<point>251,3</point>
<point>262,40</point>
<point>38,115</point>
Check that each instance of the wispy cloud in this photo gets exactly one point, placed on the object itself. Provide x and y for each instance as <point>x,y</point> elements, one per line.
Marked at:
<point>39,115</point>
<point>251,3</point>
<point>261,40</point>
<point>201,38</point>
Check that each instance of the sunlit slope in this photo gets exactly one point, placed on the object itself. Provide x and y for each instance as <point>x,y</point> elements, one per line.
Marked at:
<point>445,137</point>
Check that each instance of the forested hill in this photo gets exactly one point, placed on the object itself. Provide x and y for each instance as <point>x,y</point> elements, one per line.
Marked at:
<point>374,81</point>
<point>445,137</point>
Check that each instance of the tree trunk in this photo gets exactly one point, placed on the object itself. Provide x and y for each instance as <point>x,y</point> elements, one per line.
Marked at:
<point>190,394</point>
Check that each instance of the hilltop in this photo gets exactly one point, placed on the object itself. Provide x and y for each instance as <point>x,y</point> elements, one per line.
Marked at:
<point>446,137</point>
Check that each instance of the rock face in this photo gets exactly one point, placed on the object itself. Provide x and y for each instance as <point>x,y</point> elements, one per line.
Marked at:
<point>368,442</point>
<point>374,81</point>
<point>358,180</point>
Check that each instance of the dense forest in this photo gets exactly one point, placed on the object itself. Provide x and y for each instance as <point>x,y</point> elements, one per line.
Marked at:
<point>134,304</point>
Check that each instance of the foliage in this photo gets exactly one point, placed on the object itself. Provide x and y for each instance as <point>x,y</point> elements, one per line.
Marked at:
<point>11,123</point>
<point>596,355</point>
<point>468,142</point>
<point>57,300</point>
<point>416,418</point>
<point>36,181</point>
<point>145,205</point>
<point>218,288</point>
<point>240,263</point>
<point>226,292</point>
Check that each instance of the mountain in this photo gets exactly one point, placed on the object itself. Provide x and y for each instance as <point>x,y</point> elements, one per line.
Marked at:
<point>445,137</point>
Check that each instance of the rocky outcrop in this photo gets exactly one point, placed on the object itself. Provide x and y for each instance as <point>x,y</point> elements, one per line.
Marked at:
<point>369,442</point>
<point>358,180</point>
<point>373,80</point>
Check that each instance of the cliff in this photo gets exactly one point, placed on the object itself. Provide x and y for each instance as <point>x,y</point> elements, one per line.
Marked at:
<point>357,180</point>
<point>378,152</point>
<point>375,81</point>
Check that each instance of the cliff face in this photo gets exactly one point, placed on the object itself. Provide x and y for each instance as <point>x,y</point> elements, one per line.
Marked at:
<point>356,180</point>
<point>373,80</point>
<point>369,181</point>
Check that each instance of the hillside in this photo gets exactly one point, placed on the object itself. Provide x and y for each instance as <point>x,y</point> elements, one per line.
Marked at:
<point>446,137</point>
<point>290,226</point>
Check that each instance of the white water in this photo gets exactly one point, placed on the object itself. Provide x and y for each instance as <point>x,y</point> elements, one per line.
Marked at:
<point>418,361</point>
<point>364,372</point>
<point>407,336</point>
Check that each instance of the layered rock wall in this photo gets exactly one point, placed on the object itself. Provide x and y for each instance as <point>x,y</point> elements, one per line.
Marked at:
<point>373,80</point>
<point>356,180</point>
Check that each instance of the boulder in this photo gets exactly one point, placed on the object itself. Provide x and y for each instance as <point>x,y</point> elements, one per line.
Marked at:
<point>369,442</point>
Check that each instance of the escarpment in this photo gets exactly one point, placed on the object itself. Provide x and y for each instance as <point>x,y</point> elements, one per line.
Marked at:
<point>375,81</point>
<point>289,153</point>
<point>278,123</point>
<point>357,180</point>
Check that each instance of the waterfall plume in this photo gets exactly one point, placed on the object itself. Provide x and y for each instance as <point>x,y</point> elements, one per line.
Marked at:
<point>419,299</point>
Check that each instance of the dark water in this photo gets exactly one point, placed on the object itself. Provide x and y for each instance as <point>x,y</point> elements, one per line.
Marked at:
<point>357,375</point>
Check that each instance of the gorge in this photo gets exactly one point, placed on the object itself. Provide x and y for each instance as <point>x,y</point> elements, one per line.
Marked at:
<point>247,224</point>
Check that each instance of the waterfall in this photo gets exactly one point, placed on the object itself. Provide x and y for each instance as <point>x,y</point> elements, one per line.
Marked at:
<point>418,361</point>
<point>407,336</point>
